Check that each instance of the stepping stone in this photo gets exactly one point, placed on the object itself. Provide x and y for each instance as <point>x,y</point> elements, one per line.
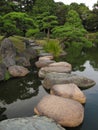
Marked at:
<point>69,91</point>
<point>30,123</point>
<point>54,78</point>
<point>66,112</point>
<point>60,67</point>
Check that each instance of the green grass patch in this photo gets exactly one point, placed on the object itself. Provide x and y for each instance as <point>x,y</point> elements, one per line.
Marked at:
<point>53,46</point>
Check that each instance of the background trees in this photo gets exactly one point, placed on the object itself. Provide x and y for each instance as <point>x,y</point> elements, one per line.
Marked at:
<point>39,17</point>
<point>72,33</point>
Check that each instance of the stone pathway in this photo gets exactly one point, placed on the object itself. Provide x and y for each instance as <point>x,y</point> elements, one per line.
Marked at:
<point>64,103</point>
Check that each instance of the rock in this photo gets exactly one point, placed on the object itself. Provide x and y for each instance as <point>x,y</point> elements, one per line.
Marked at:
<point>23,61</point>
<point>8,52</point>
<point>53,68</point>
<point>7,48</point>
<point>9,61</point>
<point>65,78</point>
<point>66,112</point>
<point>30,123</point>
<point>62,64</point>
<point>46,58</point>
<point>44,54</point>
<point>3,71</point>
<point>69,91</point>
<point>43,63</point>
<point>18,71</point>
<point>38,48</point>
<point>30,53</point>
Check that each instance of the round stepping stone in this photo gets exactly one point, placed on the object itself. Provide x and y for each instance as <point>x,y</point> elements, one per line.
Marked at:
<point>68,91</point>
<point>66,112</point>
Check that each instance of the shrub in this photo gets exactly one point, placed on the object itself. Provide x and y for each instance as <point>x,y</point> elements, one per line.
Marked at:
<point>32,32</point>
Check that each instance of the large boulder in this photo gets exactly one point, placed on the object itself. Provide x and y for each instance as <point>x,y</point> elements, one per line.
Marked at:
<point>65,78</point>
<point>18,71</point>
<point>60,67</point>
<point>30,123</point>
<point>7,48</point>
<point>68,91</point>
<point>43,63</point>
<point>66,112</point>
<point>8,52</point>
<point>3,71</point>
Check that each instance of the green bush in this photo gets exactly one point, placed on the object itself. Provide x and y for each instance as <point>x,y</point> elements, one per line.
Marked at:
<point>53,46</point>
<point>32,32</point>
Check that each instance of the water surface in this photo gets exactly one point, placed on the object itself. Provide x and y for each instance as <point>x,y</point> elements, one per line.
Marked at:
<point>18,96</point>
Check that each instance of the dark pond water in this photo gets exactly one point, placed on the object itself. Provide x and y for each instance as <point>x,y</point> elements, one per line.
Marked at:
<point>19,96</point>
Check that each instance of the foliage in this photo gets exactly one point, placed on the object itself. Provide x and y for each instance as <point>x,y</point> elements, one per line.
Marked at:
<point>18,22</point>
<point>41,6</point>
<point>7,75</point>
<point>53,47</point>
<point>32,32</point>
<point>72,33</point>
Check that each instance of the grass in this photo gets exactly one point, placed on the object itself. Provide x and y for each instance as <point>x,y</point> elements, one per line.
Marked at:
<point>53,46</point>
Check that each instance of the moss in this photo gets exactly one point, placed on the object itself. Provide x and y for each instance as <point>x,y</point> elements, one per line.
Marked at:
<point>7,75</point>
<point>18,42</point>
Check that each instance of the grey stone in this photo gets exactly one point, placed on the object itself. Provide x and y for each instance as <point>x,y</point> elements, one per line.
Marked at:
<point>9,61</point>
<point>7,48</point>
<point>23,61</point>
<point>45,54</point>
<point>65,78</point>
<point>30,123</point>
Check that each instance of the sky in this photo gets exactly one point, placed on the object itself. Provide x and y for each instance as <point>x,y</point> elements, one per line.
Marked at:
<point>88,3</point>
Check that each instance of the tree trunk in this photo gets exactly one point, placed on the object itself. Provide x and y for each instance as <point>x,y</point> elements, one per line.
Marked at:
<point>48,34</point>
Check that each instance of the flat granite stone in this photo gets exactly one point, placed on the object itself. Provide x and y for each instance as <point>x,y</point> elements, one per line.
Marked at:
<point>30,123</point>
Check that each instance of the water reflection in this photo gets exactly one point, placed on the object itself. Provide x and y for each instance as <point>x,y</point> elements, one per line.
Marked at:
<point>20,88</point>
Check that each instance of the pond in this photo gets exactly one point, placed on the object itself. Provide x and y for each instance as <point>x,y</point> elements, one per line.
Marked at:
<point>18,96</point>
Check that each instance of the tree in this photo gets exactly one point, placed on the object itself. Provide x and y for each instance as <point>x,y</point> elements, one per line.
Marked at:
<point>73,32</point>
<point>61,12</point>
<point>46,22</point>
<point>19,23</point>
<point>41,6</point>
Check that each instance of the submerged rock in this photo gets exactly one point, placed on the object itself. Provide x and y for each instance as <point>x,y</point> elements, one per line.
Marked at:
<point>66,112</point>
<point>68,91</point>
<point>65,78</point>
<point>30,123</point>
<point>18,71</point>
